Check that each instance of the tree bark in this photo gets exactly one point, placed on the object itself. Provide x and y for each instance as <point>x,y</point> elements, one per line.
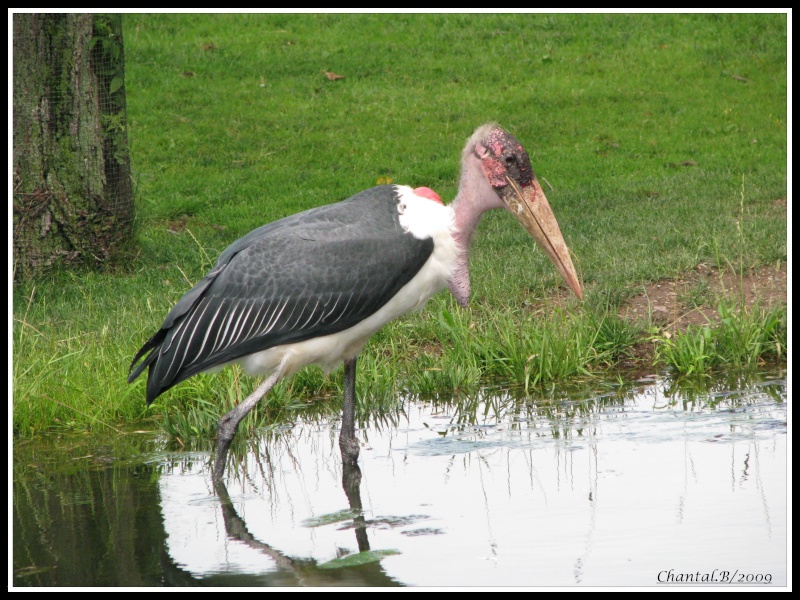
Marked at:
<point>73,201</point>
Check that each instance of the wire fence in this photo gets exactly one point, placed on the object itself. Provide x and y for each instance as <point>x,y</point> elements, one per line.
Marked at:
<point>72,189</point>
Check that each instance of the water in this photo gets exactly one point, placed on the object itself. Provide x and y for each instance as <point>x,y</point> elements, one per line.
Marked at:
<point>650,483</point>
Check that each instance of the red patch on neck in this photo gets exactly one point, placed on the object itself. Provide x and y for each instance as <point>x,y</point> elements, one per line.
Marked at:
<point>428,193</point>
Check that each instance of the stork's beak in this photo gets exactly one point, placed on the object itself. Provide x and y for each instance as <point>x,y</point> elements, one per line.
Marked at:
<point>531,208</point>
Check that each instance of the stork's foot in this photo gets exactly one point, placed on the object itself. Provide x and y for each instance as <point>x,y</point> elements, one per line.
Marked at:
<point>226,429</point>
<point>229,423</point>
<point>348,443</point>
<point>350,449</point>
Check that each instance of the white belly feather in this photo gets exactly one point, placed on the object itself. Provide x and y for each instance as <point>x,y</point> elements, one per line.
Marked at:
<point>422,218</point>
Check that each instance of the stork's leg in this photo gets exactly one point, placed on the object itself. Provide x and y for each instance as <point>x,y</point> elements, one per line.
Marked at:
<point>348,443</point>
<point>228,424</point>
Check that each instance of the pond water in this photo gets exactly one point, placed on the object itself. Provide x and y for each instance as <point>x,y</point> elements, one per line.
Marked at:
<point>644,483</point>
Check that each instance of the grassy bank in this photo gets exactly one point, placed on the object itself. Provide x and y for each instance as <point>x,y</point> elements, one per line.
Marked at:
<point>661,140</point>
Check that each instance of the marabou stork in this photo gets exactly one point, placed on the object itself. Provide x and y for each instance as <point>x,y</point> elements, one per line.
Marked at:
<point>313,287</point>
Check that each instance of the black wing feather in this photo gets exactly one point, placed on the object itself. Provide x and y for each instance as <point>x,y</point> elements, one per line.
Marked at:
<point>312,274</point>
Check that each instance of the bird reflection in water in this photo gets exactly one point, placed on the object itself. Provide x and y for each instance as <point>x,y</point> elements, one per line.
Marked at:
<point>306,571</point>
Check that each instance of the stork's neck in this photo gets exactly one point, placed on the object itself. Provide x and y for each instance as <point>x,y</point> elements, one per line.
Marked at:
<point>475,197</point>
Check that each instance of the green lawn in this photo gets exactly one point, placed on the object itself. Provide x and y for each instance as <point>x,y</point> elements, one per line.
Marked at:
<point>661,141</point>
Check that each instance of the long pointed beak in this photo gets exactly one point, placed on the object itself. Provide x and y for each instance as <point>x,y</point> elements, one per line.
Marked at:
<point>531,208</point>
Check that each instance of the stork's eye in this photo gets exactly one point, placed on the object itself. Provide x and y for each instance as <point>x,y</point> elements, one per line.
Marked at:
<point>510,159</point>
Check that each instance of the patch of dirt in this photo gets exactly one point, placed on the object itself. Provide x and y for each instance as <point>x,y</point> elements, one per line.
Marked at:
<point>693,300</point>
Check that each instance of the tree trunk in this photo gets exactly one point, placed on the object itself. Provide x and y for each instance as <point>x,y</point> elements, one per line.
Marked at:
<point>73,202</point>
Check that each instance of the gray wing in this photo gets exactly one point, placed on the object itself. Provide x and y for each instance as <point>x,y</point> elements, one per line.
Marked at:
<point>312,274</point>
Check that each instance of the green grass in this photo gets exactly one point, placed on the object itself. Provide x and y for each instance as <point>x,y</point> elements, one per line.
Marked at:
<point>744,338</point>
<point>661,141</point>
